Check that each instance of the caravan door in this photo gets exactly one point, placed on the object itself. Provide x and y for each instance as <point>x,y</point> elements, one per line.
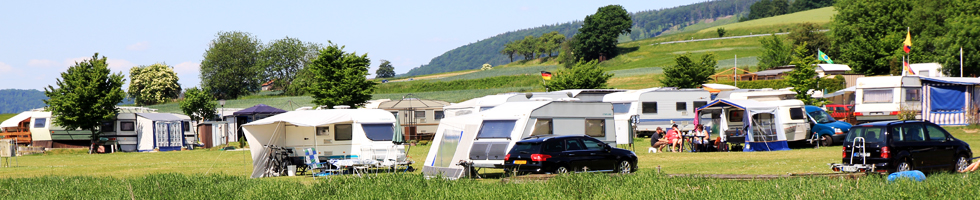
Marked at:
<point>169,135</point>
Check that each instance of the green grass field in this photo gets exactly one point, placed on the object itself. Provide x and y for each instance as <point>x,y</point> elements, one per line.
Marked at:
<point>207,174</point>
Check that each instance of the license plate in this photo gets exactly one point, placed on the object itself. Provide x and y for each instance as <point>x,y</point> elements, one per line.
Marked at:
<point>849,168</point>
<point>877,113</point>
<point>520,162</point>
<point>863,155</point>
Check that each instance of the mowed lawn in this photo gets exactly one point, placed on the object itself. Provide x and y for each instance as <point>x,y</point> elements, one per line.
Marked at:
<point>238,163</point>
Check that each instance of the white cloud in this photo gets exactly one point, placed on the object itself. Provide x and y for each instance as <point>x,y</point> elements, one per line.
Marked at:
<point>4,67</point>
<point>120,65</point>
<point>42,63</point>
<point>139,46</point>
<point>187,67</point>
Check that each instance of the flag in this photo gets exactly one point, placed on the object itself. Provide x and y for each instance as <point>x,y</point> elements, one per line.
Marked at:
<point>822,56</point>
<point>908,69</point>
<point>546,75</point>
<point>907,45</point>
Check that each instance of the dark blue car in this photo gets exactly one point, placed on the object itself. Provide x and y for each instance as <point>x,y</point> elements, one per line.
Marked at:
<point>827,129</point>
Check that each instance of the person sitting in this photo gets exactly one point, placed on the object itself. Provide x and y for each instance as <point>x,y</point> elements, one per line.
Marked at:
<point>700,139</point>
<point>657,141</point>
<point>674,138</point>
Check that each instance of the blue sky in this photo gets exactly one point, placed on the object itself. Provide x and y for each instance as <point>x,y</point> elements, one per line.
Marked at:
<point>40,40</point>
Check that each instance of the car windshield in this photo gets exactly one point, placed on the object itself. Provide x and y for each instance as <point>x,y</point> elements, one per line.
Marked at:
<point>870,134</point>
<point>821,117</point>
<point>526,147</point>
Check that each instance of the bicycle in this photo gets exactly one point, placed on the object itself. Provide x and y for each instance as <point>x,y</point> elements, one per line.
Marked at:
<point>278,159</point>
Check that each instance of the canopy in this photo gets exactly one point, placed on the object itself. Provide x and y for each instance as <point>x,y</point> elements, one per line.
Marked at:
<point>13,121</point>
<point>412,103</point>
<point>761,134</point>
<point>259,109</point>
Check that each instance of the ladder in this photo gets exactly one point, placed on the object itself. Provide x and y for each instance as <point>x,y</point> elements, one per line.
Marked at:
<point>855,145</point>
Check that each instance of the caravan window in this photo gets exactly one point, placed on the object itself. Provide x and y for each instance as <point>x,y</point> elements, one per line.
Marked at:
<point>681,106</point>
<point>439,115</point>
<point>595,127</point>
<point>378,132</point>
<point>39,122</point>
<point>321,131</point>
<point>796,113</point>
<point>496,129</point>
<point>187,126</point>
<point>913,94</point>
<point>420,114</point>
<point>878,96</point>
<point>108,126</point>
<point>543,127</point>
<point>649,107</point>
<point>343,132</point>
<point>127,126</point>
<point>735,115</point>
<point>698,104</point>
<point>621,108</point>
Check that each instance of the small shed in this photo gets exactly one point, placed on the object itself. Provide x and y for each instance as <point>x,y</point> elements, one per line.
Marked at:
<point>215,133</point>
<point>949,100</point>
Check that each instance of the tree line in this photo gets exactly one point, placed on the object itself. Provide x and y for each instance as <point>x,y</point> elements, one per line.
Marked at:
<point>769,8</point>
<point>532,47</point>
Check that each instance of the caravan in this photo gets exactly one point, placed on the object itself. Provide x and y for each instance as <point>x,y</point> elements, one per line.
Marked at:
<point>882,98</point>
<point>490,101</point>
<point>482,140</point>
<point>657,107</point>
<point>793,116</point>
<point>350,134</point>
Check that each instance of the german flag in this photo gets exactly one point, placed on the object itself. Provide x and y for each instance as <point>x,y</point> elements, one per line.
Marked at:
<point>546,75</point>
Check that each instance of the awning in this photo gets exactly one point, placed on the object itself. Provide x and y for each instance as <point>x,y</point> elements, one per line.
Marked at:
<point>953,80</point>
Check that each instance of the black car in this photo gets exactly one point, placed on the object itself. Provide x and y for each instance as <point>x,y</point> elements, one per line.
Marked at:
<point>901,146</point>
<point>562,154</point>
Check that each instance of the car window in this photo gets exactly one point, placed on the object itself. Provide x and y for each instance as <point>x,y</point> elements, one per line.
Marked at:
<point>573,144</point>
<point>554,146</point>
<point>521,146</point>
<point>936,133</point>
<point>911,133</point>
<point>592,144</point>
<point>870,134</point>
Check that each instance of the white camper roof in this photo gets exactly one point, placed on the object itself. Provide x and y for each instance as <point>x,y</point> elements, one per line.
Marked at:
<point>16,119</point>
<point>888,82</point>
<point>832,67</point>
<point>329,116</point>
<point>719,86</point>
<point>512,110</point>
<point>627,96</point>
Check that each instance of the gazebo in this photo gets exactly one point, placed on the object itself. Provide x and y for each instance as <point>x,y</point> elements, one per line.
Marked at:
<point>253,113</point>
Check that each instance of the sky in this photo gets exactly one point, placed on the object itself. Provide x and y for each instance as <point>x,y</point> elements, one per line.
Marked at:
<point>38,41</point>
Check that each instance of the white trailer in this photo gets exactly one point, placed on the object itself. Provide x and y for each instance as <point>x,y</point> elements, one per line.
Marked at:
<point>882,98</point>
<point>659,107</point>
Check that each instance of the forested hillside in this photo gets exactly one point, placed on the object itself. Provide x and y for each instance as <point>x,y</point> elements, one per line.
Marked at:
<point>17,100</point>
<point>646,24</point>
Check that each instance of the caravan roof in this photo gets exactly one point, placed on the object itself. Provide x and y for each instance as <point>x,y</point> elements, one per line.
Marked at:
<point>888,82</point>
<point>626,96</point>
<point>329,116</point>
<point>16,119</point>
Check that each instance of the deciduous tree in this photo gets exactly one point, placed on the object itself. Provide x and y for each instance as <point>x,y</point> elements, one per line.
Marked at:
<point>153,84</point>
<point>340,78</point>
<point>774,53</point>
<point>584,75</point>
<point>385,70</point>
<point>803,78</point>
<point>283,59</point>
<point>198,104</point>
<point>230,67</point>
<point>598,36</point>
<point>86,96</point>
<point>809,33</point>
<point>687,73</point>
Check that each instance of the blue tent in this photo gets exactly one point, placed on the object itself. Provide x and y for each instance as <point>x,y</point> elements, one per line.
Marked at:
<point>260,109</point>
<point>763,132</point>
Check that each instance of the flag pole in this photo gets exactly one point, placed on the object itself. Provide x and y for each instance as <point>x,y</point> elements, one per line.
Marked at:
<point>961,61</point>
<point>735,78</point>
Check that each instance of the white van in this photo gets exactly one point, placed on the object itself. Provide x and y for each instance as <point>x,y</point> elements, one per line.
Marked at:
<point>882,98</point>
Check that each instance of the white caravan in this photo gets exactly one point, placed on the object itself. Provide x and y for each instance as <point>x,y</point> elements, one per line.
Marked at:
<point>483,139</point>
<point>882,98</point>
<point>658,107</point>
<point>792,112</point>
<point>362,134</point>
<point>487,102</point>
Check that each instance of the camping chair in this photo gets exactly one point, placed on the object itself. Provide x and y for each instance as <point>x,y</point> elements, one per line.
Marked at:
<point>312,161</point>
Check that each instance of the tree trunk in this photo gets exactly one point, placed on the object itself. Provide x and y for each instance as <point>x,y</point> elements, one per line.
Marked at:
<point>94,137</point>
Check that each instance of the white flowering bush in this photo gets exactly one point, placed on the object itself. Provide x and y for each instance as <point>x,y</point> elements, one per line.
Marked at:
<point>153,84</point>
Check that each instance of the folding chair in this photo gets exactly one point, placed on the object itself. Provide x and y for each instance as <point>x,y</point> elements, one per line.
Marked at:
<point>312,161</point>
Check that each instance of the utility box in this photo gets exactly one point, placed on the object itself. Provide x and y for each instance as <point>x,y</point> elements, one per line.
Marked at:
<point>8,148</point>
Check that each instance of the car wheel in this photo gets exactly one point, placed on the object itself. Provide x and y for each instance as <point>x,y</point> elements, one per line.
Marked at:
<point>561,170</point>
<point>625,167</point>
<point>827,140</point>
<point>961,163</point>
<point>903,166</point>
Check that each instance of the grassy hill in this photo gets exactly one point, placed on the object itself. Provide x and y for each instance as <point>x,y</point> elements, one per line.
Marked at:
<point>639,66</point>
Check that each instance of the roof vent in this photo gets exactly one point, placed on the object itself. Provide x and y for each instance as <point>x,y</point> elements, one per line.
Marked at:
<point>341,107</point>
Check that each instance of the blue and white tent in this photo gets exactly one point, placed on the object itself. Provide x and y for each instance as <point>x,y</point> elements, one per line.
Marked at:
<point>947,100</point>
<point>763,132</point>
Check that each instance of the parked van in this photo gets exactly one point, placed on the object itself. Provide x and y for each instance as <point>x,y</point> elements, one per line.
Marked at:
<point>882,98</point>
<point>827,129</point>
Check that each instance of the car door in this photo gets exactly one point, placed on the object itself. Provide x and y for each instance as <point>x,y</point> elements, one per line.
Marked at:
<point>945,152</point>
<point>576,153</point>
<point>912,139</point>
<point>599,158</point>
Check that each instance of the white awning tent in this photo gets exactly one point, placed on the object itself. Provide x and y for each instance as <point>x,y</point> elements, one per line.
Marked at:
<point>16,119</point>
<point>763,133</point>
<point>294,129</point>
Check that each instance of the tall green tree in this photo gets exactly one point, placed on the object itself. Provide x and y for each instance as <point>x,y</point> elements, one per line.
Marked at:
<point>86,96</point>
<point>340,78</point>
<point>510,49</point>
<point>198,104</point>
<point>868,35</point>
<point>803,78</point>
<point>774,53</point>
<point>802,5</point>
<point>566,55</point>
<point>961,31</point>
<point>809,33</point>
<point>598,36</point>
<point>385,70</point>
<point>230,67</point>
<point>283,59</point>
<point>584,75</point>
<point>153,84</point>
<point>528,47</point>
<point>687,73</point>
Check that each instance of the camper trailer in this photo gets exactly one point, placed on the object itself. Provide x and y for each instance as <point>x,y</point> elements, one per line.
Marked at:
<point>487,102</point>
<point>659,107</point>
<point>482,140</point>
<point>754,123</point>
<point>357,134</point>
<point>793,118</point>
<point>882,98</point>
